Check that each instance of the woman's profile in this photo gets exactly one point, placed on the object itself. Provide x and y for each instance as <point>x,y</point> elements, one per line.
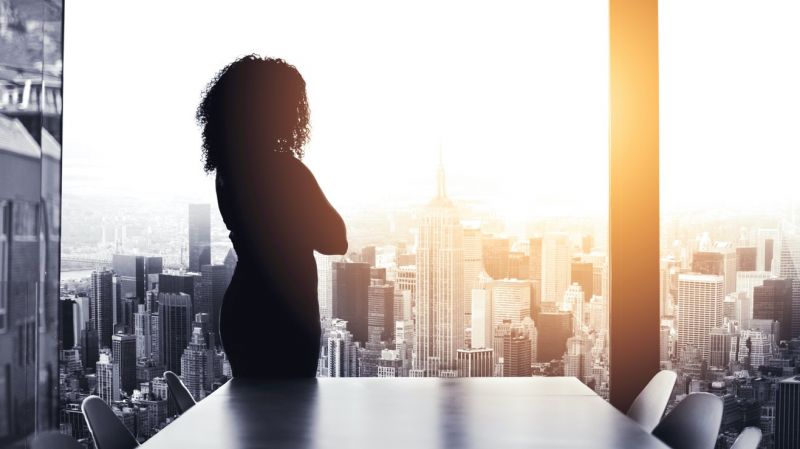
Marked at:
<point>255,123</point>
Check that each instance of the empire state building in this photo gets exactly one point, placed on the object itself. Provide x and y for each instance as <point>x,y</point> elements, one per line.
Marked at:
<point>440,286</point>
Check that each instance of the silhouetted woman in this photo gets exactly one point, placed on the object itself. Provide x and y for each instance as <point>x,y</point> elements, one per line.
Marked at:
<point>255,122</point>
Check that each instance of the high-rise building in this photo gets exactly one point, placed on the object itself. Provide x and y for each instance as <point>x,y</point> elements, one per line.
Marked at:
<point>325,283</point>
<point>598,314</point>
<point>102,300</point>
<point>340,351</point>
<point>752,348</point>
<point>511,299</point>
<point>69,333</point>
<point>197,361</point>
<point>188,283</point>
<point>535,258</point>
<point>380,320</point>
<point>746,282</point>
<point>475,362</point>
<point>746,258</point>
<point>573,302</point>
<point>773,301</point>
<point>350,298</point>
<point>787,266</point>
<point>787,413</point>
<point>720,261</point>
<point>719,340</point>
<point>765,249</point>
<point>518,265</point>
<point>131,275</point>
<point>440,286</point>
<point>473,265</point>
<point>143,330</point>
<point>582,273</point>
<point>516,354</point>
<point>554,330</point>
<point>90,350</point>
<point>175,321</point>
<point>368,255</point>
<point>578,358</point>
<point>123,353</point>
<point>483,322</point>
<point>213,284</point>
<point>107,378</point>
<point>555,266</point>
<point>199,236</point>
<point>495,256</point>
<point>700,299</point>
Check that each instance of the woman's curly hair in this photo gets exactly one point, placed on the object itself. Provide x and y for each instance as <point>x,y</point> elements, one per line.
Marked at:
<point>253,98</point>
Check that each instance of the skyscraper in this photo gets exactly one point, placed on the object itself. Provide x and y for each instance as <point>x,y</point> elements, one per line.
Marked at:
<point>199,236</point>
<point>89,346</point>
<point>440,286</point>
<point>123,350</point>
<point>578,358</point>
<point>380,320</point>
<point>102,297</point>
<point>131,275</point>
<point>188,283</point>
<point>107,378</point>
<point>516,354</point>
<point>142,329</point>
<point>700,299</point>
<point>473,265</point>
<point>325,283</point>
<point>197,361</point>
<point>720,261</point>
<point>511,299</point>
<point>554,330</point>
<point>350,297</point>
<point>495,256</point>
<point>787,414</point>
<point>555,266</point>
<point>340,351</point>
<point>787,266</point>
<point>582,273</point>
<point>483,322</point>
<point>175,316</point>
<point>68,321</point>
<point>746,258</point>
<point>719,340</point>
<point>213,284</point>
<point>773,301</point>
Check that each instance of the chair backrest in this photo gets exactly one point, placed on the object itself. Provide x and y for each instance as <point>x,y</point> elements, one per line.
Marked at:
<point>178,392</point>
<point>108,432</point>
<point>693,423</point>
<point>648,407</point>
<point>54,440</point>
<point>748,439</point>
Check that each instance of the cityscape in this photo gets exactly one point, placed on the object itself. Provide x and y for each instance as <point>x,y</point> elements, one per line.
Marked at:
<point>439,291</point>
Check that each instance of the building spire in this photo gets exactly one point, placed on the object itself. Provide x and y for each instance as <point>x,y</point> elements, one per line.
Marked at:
<point>440,192</point>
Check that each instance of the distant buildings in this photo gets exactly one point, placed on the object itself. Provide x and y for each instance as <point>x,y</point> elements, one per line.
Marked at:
<point>787,414</point>
<point>102,305</point>
<point>175,322</point>
<point>700,299</point>
<point>199,236</point>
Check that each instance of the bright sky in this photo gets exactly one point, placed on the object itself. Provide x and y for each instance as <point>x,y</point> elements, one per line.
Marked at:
<point>514,92</point>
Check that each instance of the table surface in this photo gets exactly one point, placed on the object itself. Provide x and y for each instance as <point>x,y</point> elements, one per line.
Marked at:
<point>407,413</point>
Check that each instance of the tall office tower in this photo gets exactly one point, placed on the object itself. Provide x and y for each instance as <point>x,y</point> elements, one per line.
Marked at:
<point>341,351</point>
<point>131,275</point>
<point>700,299</point>
<point>475,362</point>
<point>554,330</point>
<point>440,286</point>
<point>495,252</point>
<point>380,319</point>
<point>518,265</point>
<point>142,329</point>
<point>368,255</point>
<point>729,307</point>
<point>582,273</point>
<point>573,303</point>
<point>719,341</point>
<point>483,322</point>
<point>598,314</point>
<point>325,283</point>
<point>511,299</point>
<point>664,344</point>
<point>68,335</point>
<point>102,300</point>
<point>188,283</point>
<point>350,299</point>
<point>404,343</point>
<point>473,265</point>
<point>89,346</point>
<point>535,258</point>
<point>752,348</point>
<point>199,236</point>
<point>787,265</point>
<point>719,261</point>
<point>787,413</point>
<point>123,353</point>
<point>107,378</point>
<point>578,358</point>
<point>765,249</point>
<point>197,361</point>
<point>555,266</point>
<point>156,338</point>
<point>529,330</point>
<point>175,322</point>
<point>746,258</point>
<point>773,301</point>
<point>378,274</point>
<point>213,284</point>
<point>406,280</point>
<point>516,354</point>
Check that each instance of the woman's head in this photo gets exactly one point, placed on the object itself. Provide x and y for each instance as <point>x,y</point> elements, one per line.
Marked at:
<point>253,104</point>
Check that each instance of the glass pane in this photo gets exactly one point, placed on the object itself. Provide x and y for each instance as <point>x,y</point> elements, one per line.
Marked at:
<point>730,284</point>
<point>466,149</point>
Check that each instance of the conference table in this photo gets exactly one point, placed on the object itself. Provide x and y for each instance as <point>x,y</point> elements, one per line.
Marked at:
<point>407,413</point>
